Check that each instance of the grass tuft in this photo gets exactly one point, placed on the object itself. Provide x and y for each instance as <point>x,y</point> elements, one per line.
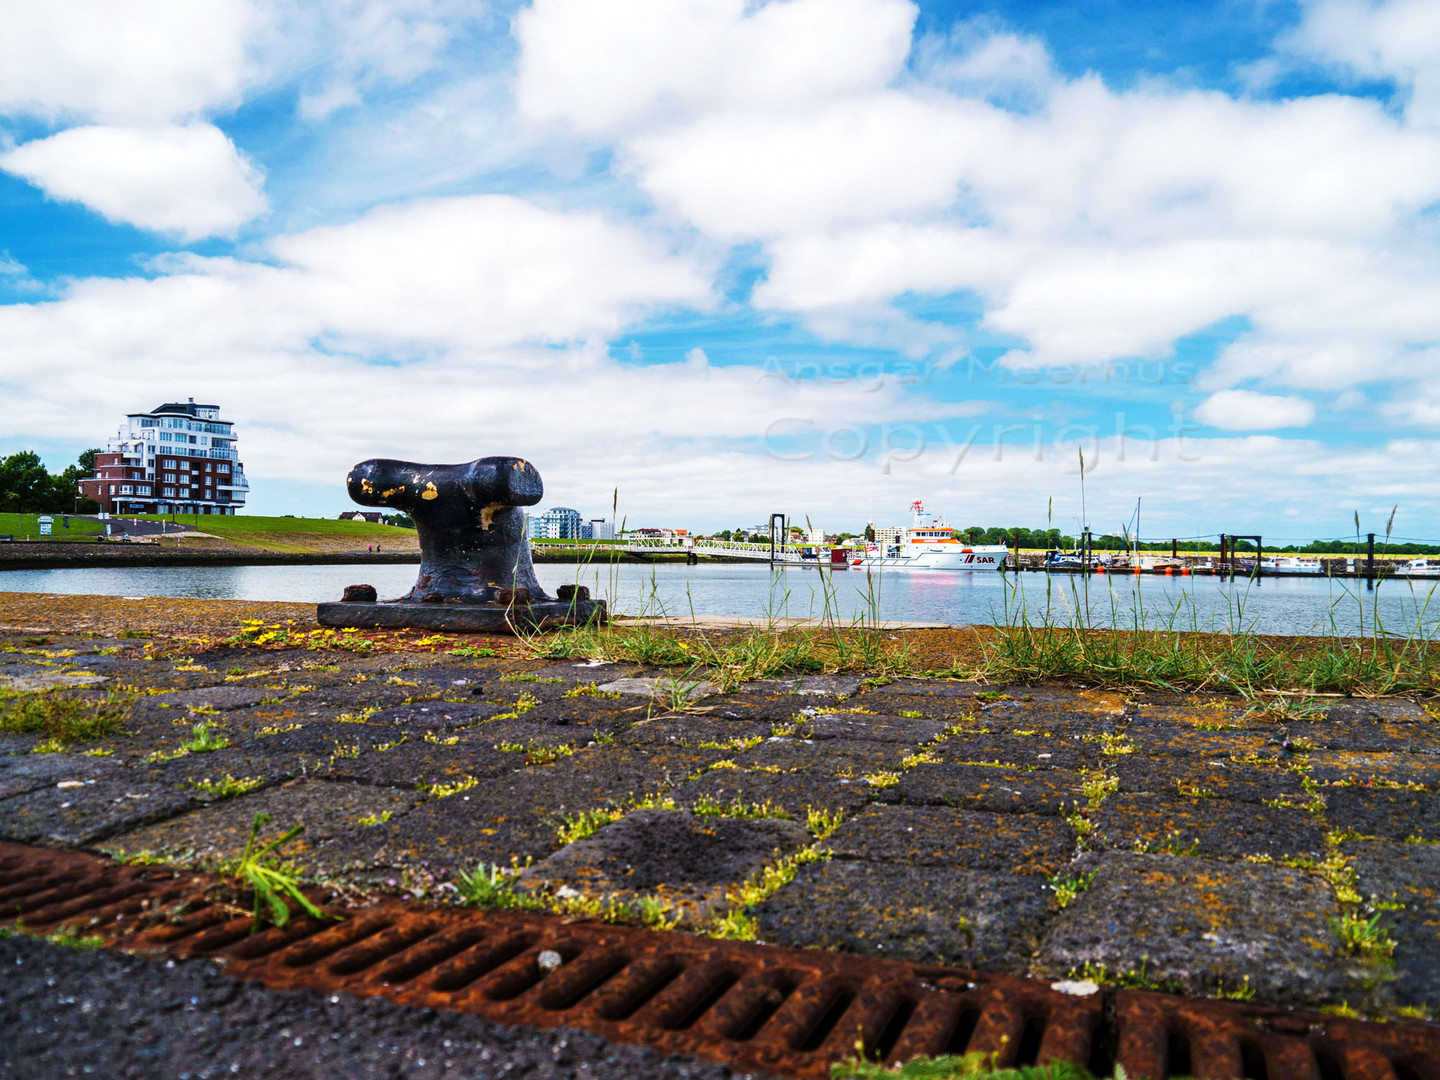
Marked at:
<point>64,719</point>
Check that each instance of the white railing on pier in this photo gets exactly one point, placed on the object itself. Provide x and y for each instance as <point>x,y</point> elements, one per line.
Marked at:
<point>732,549</point>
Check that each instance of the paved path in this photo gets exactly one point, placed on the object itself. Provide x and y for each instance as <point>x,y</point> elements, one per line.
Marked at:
<point>1171,840</point>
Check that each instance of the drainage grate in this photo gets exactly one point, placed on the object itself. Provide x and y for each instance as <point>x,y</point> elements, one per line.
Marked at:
<point>754,1007</point>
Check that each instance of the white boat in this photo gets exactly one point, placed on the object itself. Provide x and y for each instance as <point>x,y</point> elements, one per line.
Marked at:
<point>1290,564</point>
<point>1419,568</point>
<point>930,544</point>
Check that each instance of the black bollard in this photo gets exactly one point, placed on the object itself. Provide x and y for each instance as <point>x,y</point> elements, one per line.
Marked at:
<point>475,569</point>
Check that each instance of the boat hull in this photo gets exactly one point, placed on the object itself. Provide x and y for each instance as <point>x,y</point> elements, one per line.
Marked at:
<point>982,559</point>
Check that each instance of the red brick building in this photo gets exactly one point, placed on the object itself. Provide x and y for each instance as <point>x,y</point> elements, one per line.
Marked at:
<point>174,459</point>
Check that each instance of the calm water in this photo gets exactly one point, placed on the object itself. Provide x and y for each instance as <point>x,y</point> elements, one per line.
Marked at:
<point>1276,606</point>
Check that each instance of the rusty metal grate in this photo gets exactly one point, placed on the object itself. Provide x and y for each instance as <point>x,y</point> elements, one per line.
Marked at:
<point>754,1007</point>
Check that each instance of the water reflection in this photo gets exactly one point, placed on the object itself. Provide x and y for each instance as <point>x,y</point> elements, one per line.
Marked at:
<point>1278,606</point>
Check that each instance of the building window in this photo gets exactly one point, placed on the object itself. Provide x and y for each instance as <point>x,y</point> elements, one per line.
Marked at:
<point>169,492</point>
<point>112,489</point>
<point>142,489</point>
<point>169,463</point>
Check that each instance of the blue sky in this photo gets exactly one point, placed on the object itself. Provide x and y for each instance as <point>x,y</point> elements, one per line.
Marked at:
<point>817,256</point>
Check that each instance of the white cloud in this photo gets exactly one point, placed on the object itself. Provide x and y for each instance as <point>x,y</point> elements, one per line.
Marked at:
<point>362,45</point>
<point>761,174</point>
<point>183,179</point>
<point>124,61</point>
<point>603,69</point>
<point>482,271</point>
<point>980,58</point>
<point>1391,39</point>
<point>1245,410</point>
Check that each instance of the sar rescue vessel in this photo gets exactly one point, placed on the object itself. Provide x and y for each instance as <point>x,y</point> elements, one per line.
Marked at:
<point>930,544</point>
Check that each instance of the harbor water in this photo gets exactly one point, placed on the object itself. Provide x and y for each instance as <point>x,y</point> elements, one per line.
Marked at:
<point>1288,606</point>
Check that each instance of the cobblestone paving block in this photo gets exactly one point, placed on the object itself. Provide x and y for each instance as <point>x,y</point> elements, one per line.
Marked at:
<point>689,729</point>
<point>1388,874</point>
<point>21,773</point>
<point>516,814</point>
<point>687,861</point>
<point>1359,769</point>
<point>478,827</point>
<point>1388,813</point>
<point>930,915</point>
<point>243,761</point>
<point>602,714</point>
<point>1385,710</point>
<point>1173,740</point>
<point>830,757</point>
<point>1399,727</point>
<point>437,716</point>
<point>807,686</point>
<point>1023,844</point>
<point>49,679</point>
<point>1199,925</point>
<point>1020,751</point>
<point>781,700</point>
<point>222,698</point>
<point>329,701</point>
<point>605,770</point>
<point>794,793</point>
<point>874,728</point>
<point>416,761</point>
<point>88,812</point>
<point>220,830</point>
<point>1225,779</point>
<point>1208,827</point>
<point>934,689</point>
<point>980,787</point>
<point>1053,709</point>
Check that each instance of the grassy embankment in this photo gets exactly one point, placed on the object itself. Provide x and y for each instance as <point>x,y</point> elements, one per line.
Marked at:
<point>286,534</point>
<point>27,527</point>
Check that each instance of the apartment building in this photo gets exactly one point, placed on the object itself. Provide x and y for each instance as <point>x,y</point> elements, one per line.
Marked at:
<point>176,458</point>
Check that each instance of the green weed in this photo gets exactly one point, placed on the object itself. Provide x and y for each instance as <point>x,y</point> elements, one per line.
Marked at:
<point>1360,936</point>
<point>227,787</point>
<point>951,1067</point>
<point>1067,887</point>
<point>444,791</point>
<point>62,718</point>
<point>205,740</point>
<point>67,937</point>
<point>260,870</point>
<point>537,753</point>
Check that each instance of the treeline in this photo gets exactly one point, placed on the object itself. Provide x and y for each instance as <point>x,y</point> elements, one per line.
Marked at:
<point>27,487</point>
<point>1054,539</point>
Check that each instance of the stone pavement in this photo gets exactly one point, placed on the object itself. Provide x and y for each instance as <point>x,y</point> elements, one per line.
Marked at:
<point>1159,840</point>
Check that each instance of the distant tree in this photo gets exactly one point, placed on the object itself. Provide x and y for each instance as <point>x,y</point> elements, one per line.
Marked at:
<point>27,488</point>
<point>87,460</point>
<point>404,521</point>
<point>870,534</point>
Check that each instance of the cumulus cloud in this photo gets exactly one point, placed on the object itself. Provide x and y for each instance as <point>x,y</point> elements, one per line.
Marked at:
<point>603,69</point>
<point>1392,39</point>
<point>188,179</point>
<point>1245,410</point>
<point>364,45</point>
<point>1092,223</point>
<point>124,61</point>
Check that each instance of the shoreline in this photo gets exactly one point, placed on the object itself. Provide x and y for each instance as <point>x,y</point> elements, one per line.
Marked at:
<point>58,555</point>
